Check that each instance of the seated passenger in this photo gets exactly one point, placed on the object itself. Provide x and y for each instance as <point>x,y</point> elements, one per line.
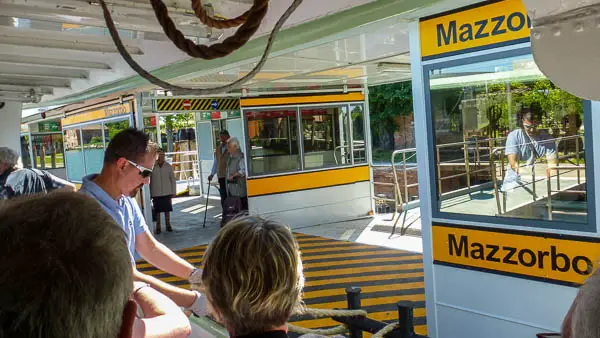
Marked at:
<point>527,144</point>
<point>15,181</point>
<point>253,277</point>
<point>582,320</point>
<point>65,272</point>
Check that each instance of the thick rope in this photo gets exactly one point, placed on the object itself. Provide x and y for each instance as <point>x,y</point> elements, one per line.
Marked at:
<point>178,90</point>
<point>218,50</point>
<point>323,313</point>
<point>326,332</point>
<point>217,23</point>
<point>389,328</point>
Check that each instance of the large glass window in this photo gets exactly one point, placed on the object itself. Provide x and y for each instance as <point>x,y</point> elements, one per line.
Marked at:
<point>357,114</point>
<point>74,155</point>
<point>48,151</point>
<point>93,148</point>
<point>326,135</point>
<point>273,136</point>
<point>507,142</point>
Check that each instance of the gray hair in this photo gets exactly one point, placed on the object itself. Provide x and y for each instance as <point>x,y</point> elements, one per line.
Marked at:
<point>9,156</point>
<point>584,320</point>
<point>234,142</point>
<point>66,269</point>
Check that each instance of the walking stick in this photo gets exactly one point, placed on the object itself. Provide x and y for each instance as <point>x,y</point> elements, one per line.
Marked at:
<point>206,206</point>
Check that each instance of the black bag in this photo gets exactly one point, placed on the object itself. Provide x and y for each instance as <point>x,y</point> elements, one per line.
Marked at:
<point>232,207</point>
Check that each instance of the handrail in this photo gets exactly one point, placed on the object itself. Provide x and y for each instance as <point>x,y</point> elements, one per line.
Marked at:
<point>397,193</point>
<point>549,183</point>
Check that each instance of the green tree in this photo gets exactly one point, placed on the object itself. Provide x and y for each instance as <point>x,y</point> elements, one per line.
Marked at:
<point>385,103</point>
<point>174,123</point>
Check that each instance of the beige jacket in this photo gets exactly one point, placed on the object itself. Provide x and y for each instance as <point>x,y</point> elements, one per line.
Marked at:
<point>162,181</point>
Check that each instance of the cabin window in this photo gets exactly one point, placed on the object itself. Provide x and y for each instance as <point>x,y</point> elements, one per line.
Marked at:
<point>507,142</point>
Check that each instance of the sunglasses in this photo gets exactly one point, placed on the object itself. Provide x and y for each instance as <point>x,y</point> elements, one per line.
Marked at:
<point>144,172</point>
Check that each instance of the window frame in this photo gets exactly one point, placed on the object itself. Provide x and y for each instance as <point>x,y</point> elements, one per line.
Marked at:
<point>438,215</point>
<point>298,108</point>
<point>79,126</point>
<point>31,143</point>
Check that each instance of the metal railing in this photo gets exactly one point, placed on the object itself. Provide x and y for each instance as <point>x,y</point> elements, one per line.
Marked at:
<point>501,205</point>
<point>577,168</point>
<point>400,201</point>
<point>187,173</point>
<point>467,146</point>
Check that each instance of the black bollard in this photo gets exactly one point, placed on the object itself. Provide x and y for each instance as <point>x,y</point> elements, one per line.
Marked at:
<point>405,319</point>
<point>353,296</point>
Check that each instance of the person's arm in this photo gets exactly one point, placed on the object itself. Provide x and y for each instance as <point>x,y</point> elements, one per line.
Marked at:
<point>513,161</point>
<point>59,183</point>
<point>162,257</point>
<point>213,171</point>
<point>163,318</point>
<point>512,150</point>
<point>242,171</point>
<point>182,297</point>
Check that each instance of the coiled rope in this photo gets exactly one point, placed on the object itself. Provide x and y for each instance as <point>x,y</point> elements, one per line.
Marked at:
<point>217,23</point>
<point>179,90</point>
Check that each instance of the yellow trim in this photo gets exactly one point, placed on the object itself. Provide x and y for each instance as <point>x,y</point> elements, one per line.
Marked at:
<point>176,104</point>
<point>473,28</point>
<point>114,110</point>
<point>304,181</point>
<point>288,100</point>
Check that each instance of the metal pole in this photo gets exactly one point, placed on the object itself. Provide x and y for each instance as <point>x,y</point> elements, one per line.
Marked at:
<point>353,296</point>
<point>557,165</point>
<point>405,319</point>
<point>468,171</point>
<point>578,160</point>
<point>439,170</point>
<point>405,179</point>
<point>549,183</point>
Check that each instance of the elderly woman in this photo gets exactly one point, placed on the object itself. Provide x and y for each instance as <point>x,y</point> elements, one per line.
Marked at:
<point>163,187</point>
<point>16,181</point>
<point>253,277</point>
<point>236,172</point>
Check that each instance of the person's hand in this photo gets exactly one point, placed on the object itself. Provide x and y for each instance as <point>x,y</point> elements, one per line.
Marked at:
<point>210,177</point>
<point>231,177</point>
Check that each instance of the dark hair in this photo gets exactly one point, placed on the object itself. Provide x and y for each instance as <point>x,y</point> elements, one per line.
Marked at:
<point>66,269</point>
<point>224,133</point>
<point>131,144</point>
<point>527,111</point>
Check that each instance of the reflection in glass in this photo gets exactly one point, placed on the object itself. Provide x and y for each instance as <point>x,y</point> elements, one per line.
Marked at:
<point>74,155</point>
<point>93,148</point>
<point>273,136</point>
<point>508,142</point>
<point>326,137</point>
<point>358,133</point>
<point>48,151</point>
<point>25,155</point>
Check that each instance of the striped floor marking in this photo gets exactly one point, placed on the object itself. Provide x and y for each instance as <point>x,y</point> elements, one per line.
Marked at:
<point>385,277</point>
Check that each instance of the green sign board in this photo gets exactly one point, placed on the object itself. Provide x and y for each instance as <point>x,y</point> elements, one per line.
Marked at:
<point>49,127</point>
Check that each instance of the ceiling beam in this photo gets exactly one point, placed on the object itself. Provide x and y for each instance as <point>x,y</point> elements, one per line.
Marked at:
<point>26,89</point>
<point>35,81</point>
<point>68,41</point>
<point>34,60</point>
<point>43,71</point>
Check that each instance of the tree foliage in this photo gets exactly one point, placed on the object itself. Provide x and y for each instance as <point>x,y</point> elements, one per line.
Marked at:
<point>385,103</point>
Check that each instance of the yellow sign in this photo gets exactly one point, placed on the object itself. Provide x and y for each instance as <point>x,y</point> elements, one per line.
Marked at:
<point>552,258</point>
<point>118,109</point>
<point>487,25</point>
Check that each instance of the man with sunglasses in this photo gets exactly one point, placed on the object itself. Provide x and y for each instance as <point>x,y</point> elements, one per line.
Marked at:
<point>127,160</point>
<point>526,144</point>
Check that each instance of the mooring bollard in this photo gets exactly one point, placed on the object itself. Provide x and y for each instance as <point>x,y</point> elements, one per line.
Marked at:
<point>405,319</point>
<point>353,296</point>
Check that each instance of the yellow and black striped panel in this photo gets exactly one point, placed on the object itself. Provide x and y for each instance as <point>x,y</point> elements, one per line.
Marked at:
<point>175,104</point>
<point>385,276</point>
<point>306,181</point>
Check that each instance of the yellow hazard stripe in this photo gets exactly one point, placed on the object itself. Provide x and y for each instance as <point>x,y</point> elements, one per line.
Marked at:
<point>273,101</point>
<point>197,104</point>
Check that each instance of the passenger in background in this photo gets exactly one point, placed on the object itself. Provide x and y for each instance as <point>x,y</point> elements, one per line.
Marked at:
<point>66,272</point>
<point>16,181</point>
<point>253,277</point>
<point>526,144</point>
<point>220,165</point>
<point>583,318</point>
<point>163,187</point>
<point>236,172</point>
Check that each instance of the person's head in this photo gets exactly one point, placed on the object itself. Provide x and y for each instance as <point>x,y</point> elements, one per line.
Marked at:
<point>8,159</point>
<point>224,136</point>
<point>161,157</point>
<point>65,269</point>
<point>582,320</point>
<point>129,159</point>
<point>233,145</point>
<point>527,119</point>
<point>252,275</point>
